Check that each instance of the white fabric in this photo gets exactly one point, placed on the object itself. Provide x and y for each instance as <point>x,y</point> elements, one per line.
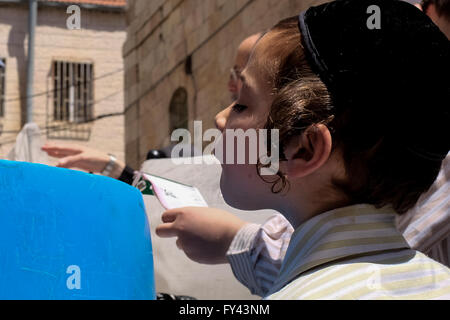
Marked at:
<point>174,272</point>
<point>28,146</point>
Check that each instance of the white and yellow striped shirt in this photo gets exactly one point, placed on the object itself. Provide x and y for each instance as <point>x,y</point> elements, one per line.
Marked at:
<point>355,253</point>
<point>258,251</point>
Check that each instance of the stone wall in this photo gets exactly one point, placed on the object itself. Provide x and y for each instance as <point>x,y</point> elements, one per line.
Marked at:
<point>99,41</point>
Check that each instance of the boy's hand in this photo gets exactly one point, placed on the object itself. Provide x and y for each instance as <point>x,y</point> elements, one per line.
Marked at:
<point>204,234</point>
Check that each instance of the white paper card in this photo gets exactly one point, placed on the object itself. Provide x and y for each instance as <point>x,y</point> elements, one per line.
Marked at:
<point>173,195</point>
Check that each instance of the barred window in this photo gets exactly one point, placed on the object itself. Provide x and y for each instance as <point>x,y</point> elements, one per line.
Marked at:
<point>2,87</point>
<point>73,91</point>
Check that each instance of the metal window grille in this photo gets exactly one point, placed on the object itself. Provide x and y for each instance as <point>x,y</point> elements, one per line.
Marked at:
<point>73,100</point>
<point>73,94</point>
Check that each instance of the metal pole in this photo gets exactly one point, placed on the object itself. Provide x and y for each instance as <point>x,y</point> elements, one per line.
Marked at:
<point>32,18</point>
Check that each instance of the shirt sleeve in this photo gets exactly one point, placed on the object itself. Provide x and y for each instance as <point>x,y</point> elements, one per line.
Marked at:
<point>428,223</point>
<point>127,175</point>
<point>257,252</point>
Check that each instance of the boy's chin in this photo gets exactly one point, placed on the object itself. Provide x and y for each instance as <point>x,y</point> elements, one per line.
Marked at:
<point>235,197</point>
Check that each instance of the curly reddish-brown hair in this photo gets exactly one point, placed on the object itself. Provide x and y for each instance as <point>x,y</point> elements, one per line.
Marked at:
<point>377,172</point>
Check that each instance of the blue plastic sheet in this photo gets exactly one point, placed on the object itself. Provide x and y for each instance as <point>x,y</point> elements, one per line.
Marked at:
<point>68,235</point>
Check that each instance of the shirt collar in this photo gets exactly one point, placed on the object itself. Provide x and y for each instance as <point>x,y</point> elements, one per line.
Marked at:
<point>339,234</point>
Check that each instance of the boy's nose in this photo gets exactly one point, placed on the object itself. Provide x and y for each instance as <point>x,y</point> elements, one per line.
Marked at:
<point>221,118</point>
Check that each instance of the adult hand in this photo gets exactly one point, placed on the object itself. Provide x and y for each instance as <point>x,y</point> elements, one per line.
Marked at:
<point>204,234</point>
<point>80,157</point>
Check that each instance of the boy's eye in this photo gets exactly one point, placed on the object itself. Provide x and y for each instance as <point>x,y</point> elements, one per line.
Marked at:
<point>239,108</point>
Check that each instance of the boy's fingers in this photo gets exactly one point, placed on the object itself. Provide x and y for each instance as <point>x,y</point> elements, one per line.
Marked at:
<point>166,230</point>
<point>169,216</point>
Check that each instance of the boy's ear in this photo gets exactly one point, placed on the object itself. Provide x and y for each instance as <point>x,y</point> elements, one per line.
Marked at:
<point>308,152</point>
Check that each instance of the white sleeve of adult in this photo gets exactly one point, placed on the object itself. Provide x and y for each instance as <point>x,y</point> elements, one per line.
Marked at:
<point>427,225</point>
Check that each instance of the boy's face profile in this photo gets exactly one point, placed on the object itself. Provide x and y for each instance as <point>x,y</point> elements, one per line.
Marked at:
<point>240,183</point>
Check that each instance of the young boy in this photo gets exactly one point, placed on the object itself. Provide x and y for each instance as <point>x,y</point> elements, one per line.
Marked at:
<point>362,139</point>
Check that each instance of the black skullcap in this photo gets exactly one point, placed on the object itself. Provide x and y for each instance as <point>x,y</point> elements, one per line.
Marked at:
<point>393,82</point>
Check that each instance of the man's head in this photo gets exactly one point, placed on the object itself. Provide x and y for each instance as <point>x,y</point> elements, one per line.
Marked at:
<point>242,56</point>
<point>439,12</point>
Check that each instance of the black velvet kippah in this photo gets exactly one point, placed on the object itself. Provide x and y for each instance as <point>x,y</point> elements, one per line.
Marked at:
<point>395,79</point>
